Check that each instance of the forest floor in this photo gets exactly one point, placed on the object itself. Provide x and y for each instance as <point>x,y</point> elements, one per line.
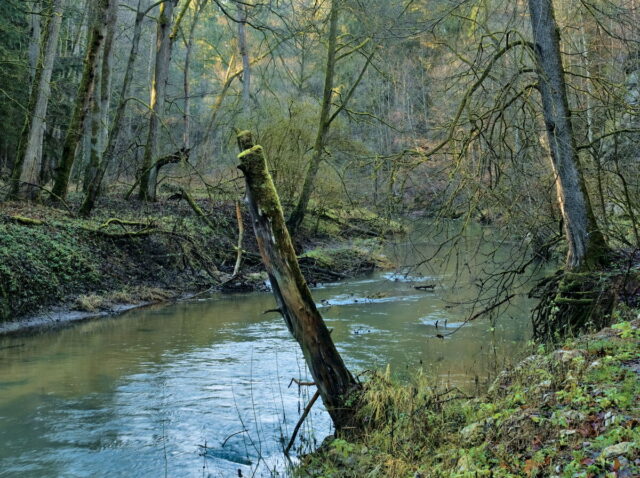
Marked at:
<point>57,267</point>
<point>572,411</point>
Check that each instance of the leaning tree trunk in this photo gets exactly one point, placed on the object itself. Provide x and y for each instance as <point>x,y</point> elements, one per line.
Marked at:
<point>26,171</point>
<point>85,90</point>
<point>334,381</point>
<point>147,191</point>
<point>587,246</point>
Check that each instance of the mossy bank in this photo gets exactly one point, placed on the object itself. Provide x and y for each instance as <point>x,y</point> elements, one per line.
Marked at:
<point>569,412</point>
<point>140,253</point>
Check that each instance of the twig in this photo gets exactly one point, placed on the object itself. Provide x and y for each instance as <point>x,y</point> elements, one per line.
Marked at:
<point>231,436</point>
<point>307,409</point>
<point>236,268</point>
<point>300,383</point>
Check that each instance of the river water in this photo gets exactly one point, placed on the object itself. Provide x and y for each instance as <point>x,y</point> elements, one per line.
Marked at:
<point>201,388</point>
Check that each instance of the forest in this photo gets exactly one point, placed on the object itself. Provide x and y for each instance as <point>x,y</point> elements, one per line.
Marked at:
<point>332,238</point>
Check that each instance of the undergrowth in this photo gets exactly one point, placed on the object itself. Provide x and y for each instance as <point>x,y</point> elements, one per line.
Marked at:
<point>571,412</point>
<point>49,257</point>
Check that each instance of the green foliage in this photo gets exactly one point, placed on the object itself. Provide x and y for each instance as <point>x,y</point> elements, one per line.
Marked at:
<point>287,139</point>
<point>42,264</point>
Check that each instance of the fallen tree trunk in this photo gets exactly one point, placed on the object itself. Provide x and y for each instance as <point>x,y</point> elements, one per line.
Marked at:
<point>335,383</point>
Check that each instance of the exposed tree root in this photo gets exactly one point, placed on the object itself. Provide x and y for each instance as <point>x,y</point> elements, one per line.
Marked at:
<point>573,302</point>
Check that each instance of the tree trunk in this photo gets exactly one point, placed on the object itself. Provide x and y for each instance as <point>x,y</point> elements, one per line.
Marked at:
<point>297,216</point>
<point>26,171</point>
<point>587,246</point>
<point>92,150</point>
<point>118,121</point>
<point>335,383</point>
<point>101,101</point>
<point>148,182</point>
<point>85,90</point>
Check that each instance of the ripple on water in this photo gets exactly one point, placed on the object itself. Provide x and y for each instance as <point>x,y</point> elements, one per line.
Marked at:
<point>348,299</point>
<point>439,320</point>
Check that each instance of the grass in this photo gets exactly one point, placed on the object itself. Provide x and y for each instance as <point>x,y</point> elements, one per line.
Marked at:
<point>571,412</point>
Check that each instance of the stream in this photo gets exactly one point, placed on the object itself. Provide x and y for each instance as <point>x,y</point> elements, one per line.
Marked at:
<point>202,388</point>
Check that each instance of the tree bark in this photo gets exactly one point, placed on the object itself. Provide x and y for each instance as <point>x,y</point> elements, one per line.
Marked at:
<point>334,381</point>
<point>102,101</point>
<point>85,90</point>
<point>26,171</point>
<point>148,182</point>
<point>92,150</point>
<point>587,247</point>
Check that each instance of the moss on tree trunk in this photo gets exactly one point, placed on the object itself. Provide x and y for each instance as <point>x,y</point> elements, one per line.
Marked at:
<point>334,381</point>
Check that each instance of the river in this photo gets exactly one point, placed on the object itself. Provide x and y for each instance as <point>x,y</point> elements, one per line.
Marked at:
<point>201,388</point>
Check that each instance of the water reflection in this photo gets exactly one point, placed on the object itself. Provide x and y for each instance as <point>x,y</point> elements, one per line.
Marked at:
<point>158,392</point>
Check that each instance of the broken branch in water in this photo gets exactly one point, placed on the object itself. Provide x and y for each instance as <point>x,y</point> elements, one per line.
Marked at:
<point>307,409</point>
<point>425,287</point>
<point>300,383</point>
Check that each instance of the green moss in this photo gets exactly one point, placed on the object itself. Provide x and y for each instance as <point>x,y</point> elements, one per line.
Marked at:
<point>571,412</point>
<point>42,265</point>
<point>355,221</point>
<point>353,258</point>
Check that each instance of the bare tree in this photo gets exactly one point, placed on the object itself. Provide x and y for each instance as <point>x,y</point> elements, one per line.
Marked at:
<point>149,173</point>
<point>85,90</point>
<point>587,246</point>
<point>26,170</point>
<point>326,115</point>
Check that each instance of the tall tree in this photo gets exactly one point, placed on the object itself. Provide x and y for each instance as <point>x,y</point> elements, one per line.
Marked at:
<point>587,246</point>
<point>35,40</point>
<point>149,173</point>
<point>85,90</point>
<point>26,170</point>
<point>186,115</point>
<point>326,115</point>
<point>297,216</point>
<point>119,118</point>
<point>102,98</point>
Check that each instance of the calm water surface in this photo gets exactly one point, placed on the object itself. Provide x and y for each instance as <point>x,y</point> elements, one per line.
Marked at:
<point>201,388</point>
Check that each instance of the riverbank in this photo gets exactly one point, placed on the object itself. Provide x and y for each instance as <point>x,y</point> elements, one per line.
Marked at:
<point>570,412</point>
<point>57,268</point>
